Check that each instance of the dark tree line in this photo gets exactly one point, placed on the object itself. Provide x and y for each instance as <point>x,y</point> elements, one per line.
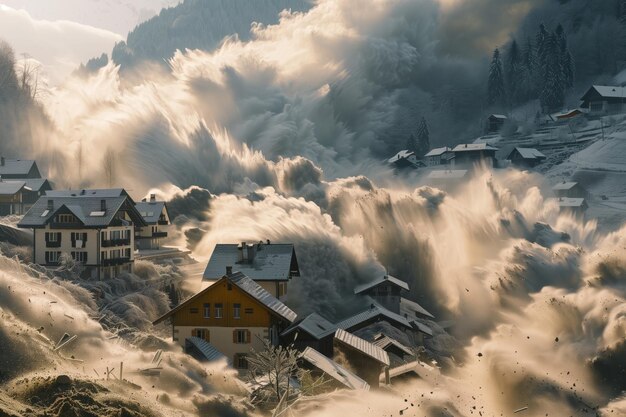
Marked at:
<point>542,69</point>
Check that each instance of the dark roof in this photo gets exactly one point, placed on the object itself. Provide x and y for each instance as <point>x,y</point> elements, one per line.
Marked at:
<point>369,349</point>
<point>151,210</point>
<point>605,91</point>
<point>208,351</point>
<point>527,153</point>
<point>86,209</point>
<point>381,280</point>
<point>384,342</point>
<point>36,184</point>
<point>11,187</point>
<point>250,287</point>
<point>313,324</point>
<point>408,306</point>
<point>272,262</point>
<point>333,369</point>
<point>374,311</point>
<point>87,193</point>
<point>16,167</point>
<point>474,147</point>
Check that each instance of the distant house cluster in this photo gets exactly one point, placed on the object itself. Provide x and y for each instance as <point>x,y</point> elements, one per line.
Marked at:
<point>240,306</point>
<point>20,185</point>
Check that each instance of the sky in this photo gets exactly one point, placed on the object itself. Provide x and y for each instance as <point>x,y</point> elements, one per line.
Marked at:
<point>62,34</point>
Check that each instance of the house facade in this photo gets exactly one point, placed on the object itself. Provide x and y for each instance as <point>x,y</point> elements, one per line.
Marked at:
<point>93,227</point>
<point>569,189</point>
<point>157,218</point>
<point>271,265</point>
<point>603,99</point>
<point>234,315</point>
<point>439,156</point>
<point>525,157</point>
<point>470,154</point>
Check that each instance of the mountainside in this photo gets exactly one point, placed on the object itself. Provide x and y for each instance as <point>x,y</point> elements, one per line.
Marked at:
<point>198,24</point>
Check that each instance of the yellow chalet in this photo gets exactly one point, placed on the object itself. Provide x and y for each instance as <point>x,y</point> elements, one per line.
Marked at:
<point>229,318</point>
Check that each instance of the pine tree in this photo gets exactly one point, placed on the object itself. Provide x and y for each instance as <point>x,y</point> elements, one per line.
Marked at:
<point>411,144</point>
<point>423,138</point>
<point>565,57</point>
<point>529,67</point>
<point>541,69</point>
<point>496,93</point>
<point>514,73</point>
<point>553,90</point>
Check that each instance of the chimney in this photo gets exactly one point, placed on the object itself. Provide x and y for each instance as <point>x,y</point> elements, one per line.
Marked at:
<point>152,198</point>
<point>2,161</point>
<point>240,254</point>
<point>50,204</point>
<point>244,252</point>
<point>103,205</point>
<point>143,200</point>
<point>229,270</point>
<point>251,249</point>
<point>268,241</point>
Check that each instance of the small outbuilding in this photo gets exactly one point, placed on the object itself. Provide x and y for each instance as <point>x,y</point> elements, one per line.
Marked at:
<point>569,189</point>
<point>526,157</point>
<point>495,122</point>
<point>604,99</point>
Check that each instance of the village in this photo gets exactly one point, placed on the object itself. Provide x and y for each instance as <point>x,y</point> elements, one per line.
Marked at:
<point>504,144</point>
<point>238,313</point>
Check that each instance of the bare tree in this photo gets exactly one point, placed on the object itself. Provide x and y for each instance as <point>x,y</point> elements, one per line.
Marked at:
<point>271,368</point>
<point>28,76</point>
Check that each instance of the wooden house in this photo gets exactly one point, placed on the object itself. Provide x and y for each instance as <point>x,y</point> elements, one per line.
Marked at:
<point>495,122</point>
<point>271,265</point>
<point>94,227</point>
<point>367,360</point>
<point>525,157</point>
<point>470,154</point>
<point>334,375</point>
<point>569,189</point>
<point>603,99</point>
<point>439,156</point>
<point>234,315</point>
<point>385,290</point>
<point>312,331</point>
<point>405,159</point>
<point>157,219</point>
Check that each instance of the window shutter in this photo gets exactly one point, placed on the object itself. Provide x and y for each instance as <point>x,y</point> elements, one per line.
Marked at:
<point>248,336</point>
<point>234,336</point>
<point>84,238</point>
<point>207,335</point>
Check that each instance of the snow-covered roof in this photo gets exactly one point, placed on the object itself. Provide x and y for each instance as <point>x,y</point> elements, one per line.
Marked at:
<point>11,187</point>
<point>564,186</point>
<point>413,309</point>
<point>15,167</point>
<point>380,280</point>
<point>373,312</point>
<point>314,324</point>
<point>498,116</point>
<point>384,342</point>
<point>207,350</point>
<point>609,91</point>
<point>473,147</point>
<point>570,202</point>
<point>151,210</point>
<point>438,151</point>
<point>87,193</point>
<point>363,346</point>
<point>271,262</point>
<point>333,369</point>
<point>404,154</point>
<point>447,174</point>
<point>528,153</point>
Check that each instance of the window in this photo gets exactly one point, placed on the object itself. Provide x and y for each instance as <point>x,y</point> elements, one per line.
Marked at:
<point>203,334</point>
<point>53,237</point>
<point>52,257</point>
<point>66,218</point>
<point>78,239</point>
<point>241,336</point>
<point>193,310</point>
<point>218,310</point>
<point>236,311</point>
<point>207,311</point>
<point>249,311</point>
<point>103,255</point>
<point>240,362</point>
<point>80,257</point>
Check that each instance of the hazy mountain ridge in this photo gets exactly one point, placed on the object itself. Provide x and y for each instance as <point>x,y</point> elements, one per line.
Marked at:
<point>198,24</point>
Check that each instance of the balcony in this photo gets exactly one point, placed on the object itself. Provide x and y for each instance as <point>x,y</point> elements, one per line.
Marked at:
<point>115,242</point>
<point>56,244</point>
<point>115,261</point>
<point>159,234</point>
<point>162,223</point>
